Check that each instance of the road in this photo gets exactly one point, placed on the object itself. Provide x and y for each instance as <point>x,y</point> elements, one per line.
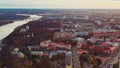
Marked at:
<point>76,61</point>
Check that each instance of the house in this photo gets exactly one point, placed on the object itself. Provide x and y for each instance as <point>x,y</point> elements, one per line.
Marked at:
<point>37,53</point>
<point>45,43</point>
<point>18,53</point>
<point>60,45</point>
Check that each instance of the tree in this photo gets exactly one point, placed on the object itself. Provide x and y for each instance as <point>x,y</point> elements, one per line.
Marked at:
<point>98,61</point>
<point>90,60</point>
<point>0,64</point>
<point>44,63</point>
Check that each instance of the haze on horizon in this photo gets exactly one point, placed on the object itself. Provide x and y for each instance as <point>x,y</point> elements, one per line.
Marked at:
<point>70,4</point>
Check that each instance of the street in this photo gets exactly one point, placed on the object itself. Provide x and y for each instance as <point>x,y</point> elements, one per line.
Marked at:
<point>76,61</point>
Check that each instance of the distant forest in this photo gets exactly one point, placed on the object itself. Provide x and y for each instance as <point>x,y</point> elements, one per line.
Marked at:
<point>8,16</point>
<point>27,11</point>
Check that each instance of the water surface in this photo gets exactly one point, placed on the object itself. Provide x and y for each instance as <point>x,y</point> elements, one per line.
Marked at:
<point>5,30</point>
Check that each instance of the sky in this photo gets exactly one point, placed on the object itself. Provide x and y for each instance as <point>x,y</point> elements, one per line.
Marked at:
<point>58,4</point>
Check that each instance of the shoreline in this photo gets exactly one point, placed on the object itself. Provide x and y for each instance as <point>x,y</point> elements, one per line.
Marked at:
<point>2,23</point>
<point>22,22</point>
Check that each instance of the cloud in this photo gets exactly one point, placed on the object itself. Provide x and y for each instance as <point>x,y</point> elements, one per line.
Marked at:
<point>59,4</point>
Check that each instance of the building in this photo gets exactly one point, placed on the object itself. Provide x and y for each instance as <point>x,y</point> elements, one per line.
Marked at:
<point>18,53</point>
<point>62,34</point>
<point>37,53</point>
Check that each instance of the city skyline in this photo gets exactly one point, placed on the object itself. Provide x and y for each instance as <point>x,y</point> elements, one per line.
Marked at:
<point>61,4</point>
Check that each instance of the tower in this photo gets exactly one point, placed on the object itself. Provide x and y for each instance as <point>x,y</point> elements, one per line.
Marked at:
<point>119,61</point>
<point>61,27</point>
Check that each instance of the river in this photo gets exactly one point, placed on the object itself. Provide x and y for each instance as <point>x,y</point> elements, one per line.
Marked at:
<point>5,30</point>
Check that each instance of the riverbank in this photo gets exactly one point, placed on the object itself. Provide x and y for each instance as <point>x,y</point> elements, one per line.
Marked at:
<point>30,33</point>
<point>9,28</point>
<point>10,18</point>
<point>5,22</point>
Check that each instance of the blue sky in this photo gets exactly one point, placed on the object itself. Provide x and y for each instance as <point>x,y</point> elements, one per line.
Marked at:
<point>115,4</point>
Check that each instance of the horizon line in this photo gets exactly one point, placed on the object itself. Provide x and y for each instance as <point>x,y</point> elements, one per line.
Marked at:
<point>66,8</point>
